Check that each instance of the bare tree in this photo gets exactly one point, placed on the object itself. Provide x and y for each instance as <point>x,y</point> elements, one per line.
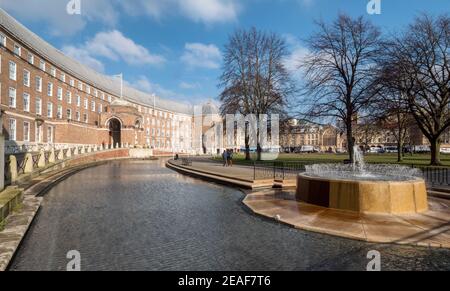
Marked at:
<point>390,107</point>
<point>339,73</point>
<point>420,59</point>
<point>254,79</point>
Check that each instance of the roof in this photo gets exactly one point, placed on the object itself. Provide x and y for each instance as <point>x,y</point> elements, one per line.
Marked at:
<point>84,73</point>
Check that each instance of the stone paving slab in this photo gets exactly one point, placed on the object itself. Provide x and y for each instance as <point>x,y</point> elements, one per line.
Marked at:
<point>16,228</point>
<point>431,228</point>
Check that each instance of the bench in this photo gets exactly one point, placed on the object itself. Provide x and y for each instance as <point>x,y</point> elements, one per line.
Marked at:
<point>186,162</point>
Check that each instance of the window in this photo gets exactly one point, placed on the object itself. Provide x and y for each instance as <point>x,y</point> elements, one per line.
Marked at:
<point>103,96</point>
<point>77,115</point>
<point>59,93</point>
<point>26,102</point>
<point>85,118</point>
<point>30,58</point>
<point>53,71</point>
<point>88,89</point>
<point>109,98</point>
<point>100,108</point>
<point>26,78</point>
<point>12,70</point>
<point>50,134</point>
<point>38,133</point>
<point>69,97</point>
<point>12,97</point>
<point>38,84</point>
<point>50,89</point>
<point>80,85</point>
<point>17,50</point>
<point>69,114</point>
<point>59,112</point>
<point>93,106</point>
<point>2,40</point>
<point>38,106</point>
<point>50,110</point>
<point>72,82</point>
<point>12,129</point>
<point>63,77</point>
<point>95,93</point>
<point>86,103</point>
<point>42,65</point>
<point>78,101</point>
<point>26,131</point>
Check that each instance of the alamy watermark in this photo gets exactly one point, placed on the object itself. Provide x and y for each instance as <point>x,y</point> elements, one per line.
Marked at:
<point>375,261</point>
<point>374,7</point>
<point>74,263</point>
<point>73,7</point>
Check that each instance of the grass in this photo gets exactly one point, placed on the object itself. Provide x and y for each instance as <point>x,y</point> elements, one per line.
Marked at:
<point>416,159</point>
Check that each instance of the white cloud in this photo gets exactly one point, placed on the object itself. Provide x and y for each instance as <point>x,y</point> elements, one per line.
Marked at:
<point>84,57</point>
<point>210,11</point>
<point>54,14</point>
<point>189,86</point>
<point>204,11</point>
<point>201,56</point>
<point>115,46</point>
<point>297,55</point>
<point>142,83</point>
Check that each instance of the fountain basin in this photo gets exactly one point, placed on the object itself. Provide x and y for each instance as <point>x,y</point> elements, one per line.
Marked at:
<point>365,196</point>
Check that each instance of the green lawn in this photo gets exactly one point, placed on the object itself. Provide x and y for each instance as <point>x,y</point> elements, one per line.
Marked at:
<point>416,159</point>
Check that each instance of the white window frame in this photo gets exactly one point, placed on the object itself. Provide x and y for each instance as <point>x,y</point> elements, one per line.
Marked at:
<point>50,89</point>
<point>12,124</point>
<point>2,40</point>
<point>59,112</point>
<point>26,133</point>
<point>38,80</point>
<point>12,98</point>
<point>30,58</point>
<point>12,72</point>
<point>26,105</point>
<point>17,50</point>
<point>49,110</point>
<point>26,77</point>
<point>38,105</point>
<point>59,93</point>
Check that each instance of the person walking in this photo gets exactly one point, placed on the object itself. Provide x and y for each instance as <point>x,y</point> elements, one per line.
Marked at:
<point>224,157</point>
<point>230,158</point>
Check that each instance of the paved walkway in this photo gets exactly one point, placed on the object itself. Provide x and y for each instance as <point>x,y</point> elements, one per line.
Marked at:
<point>431,228</point>
<point>237,175</point>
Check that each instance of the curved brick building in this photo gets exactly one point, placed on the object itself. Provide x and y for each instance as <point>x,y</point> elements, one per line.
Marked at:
<point>49,99</point>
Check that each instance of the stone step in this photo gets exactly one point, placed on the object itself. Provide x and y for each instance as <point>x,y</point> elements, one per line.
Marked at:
<point>441,189</point>
<point>439,194</point>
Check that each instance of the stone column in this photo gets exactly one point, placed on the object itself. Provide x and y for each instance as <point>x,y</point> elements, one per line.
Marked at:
<point>13,168</point>
<point>69,153</point>
<point>82,150</point>
<point>41,162</point>
<point>51,158</point>
<point>28,163</point>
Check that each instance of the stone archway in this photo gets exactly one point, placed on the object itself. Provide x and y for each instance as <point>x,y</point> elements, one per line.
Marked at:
<point>115,127</point>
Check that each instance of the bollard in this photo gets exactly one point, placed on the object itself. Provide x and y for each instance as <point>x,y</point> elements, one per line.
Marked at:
<point>41,162</point>
<point>28,163</point>
<point>13,168</point>
<point>51,158</point>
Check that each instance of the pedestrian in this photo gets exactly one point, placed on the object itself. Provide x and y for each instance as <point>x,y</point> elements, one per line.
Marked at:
<point>230,158</point>
<point>224,158</point>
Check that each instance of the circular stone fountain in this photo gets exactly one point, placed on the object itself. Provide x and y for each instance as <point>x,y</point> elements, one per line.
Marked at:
<point>363,188</point>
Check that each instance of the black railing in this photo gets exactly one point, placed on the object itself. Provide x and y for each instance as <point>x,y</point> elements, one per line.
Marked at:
<point>21,163</point>
<point>47,157</point>
<point>35,157</point>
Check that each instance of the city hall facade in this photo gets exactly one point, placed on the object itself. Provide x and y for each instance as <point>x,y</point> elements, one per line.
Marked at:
<point>49,99</point>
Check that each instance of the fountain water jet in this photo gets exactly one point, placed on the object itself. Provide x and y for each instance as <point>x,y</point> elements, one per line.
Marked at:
<point>363,187</point>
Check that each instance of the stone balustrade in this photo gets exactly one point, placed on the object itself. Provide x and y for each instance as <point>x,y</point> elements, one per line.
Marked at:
<point>18,163</point>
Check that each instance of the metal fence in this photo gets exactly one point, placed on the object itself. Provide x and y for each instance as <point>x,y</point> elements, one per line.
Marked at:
<point>290,169</point>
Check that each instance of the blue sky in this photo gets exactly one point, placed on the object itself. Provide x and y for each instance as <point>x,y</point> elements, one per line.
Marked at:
<point>173,47</point>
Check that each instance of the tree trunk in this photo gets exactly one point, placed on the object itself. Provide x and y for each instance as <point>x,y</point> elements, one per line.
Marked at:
<point>247,144</point>
<point>350,141</point>
<point>400,151</point>
<point>435,152</point>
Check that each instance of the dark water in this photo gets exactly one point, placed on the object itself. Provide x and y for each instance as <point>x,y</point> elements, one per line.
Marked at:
<point>142,216</point>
